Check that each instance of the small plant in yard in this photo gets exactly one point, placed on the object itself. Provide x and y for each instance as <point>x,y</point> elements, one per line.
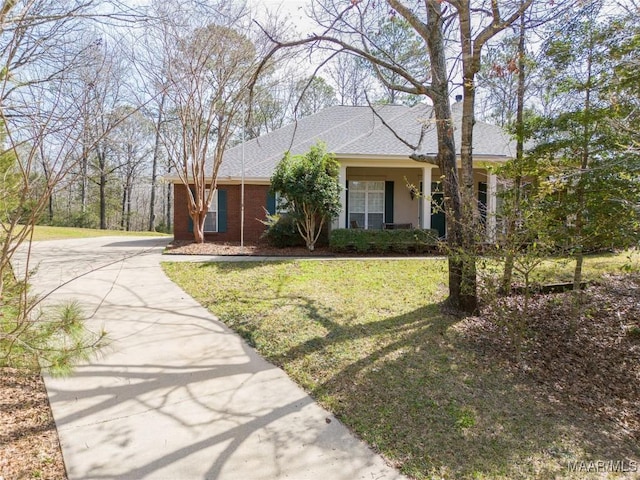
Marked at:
<point>52,338</point>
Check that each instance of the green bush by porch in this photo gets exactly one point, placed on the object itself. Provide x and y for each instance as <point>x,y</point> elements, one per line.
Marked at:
<point>383,241</point>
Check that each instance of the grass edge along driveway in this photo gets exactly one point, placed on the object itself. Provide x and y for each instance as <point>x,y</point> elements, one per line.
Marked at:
<point>369,341</point>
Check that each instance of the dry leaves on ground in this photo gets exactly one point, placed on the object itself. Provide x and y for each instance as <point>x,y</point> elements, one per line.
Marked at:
<point>592,363</point>
<point>29,446</point>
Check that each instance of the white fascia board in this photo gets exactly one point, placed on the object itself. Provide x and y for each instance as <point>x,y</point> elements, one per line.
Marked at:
<point>400,161</point>
<point>247,180</point>
<point>224,180</point>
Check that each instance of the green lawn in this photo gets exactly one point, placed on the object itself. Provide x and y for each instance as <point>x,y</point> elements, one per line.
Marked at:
<point>42,232</point>
<point>369,341</point>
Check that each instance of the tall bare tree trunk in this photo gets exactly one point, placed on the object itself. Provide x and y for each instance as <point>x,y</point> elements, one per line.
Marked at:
<point>123,207</point>
<point>154,165</point>
<point>103,201</point>
<point>129,194</point>
<point>507,274</point>
<point>84,179</point>
<point>585,155</point>
<point>169,219</point>
<point>462,291</point>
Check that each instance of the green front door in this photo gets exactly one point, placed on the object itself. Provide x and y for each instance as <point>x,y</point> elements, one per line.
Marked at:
<point>438,220</point>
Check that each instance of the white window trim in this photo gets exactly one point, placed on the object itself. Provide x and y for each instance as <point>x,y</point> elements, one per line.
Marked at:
<point>367,183</point>
<point>279,209</point>
<point>213,209</point>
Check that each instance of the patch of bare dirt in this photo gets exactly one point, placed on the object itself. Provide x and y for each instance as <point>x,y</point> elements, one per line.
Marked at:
<point>29,446</point>
<point>585,356</point>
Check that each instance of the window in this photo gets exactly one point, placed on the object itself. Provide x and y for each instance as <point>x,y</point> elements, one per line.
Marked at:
<point>275,203</point>
<point>211,220</point>
<point>366,204</point>
<point>280,209</point>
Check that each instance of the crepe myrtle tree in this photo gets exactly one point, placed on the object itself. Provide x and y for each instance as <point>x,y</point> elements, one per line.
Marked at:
<point>309,190</point>
<point>209,55</point>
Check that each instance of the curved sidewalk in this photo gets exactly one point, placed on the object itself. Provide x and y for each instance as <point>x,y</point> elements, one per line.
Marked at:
<point>177,395</point>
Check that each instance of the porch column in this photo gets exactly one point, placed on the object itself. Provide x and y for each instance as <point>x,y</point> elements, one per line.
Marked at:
<point>342,216</point>
<point>492,185</point>
<point>426,197</point>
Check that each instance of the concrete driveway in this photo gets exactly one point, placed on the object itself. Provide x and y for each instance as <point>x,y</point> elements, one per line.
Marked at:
<point>177,395</point>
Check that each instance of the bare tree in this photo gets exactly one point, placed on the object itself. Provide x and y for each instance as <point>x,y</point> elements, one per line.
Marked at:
<point>102,81</point>
<point>155,161</point>
<point>210,63</point>
<point>314,94</point>
<point>352,79</point>
<point>149,60</point>
<point>131,140</point>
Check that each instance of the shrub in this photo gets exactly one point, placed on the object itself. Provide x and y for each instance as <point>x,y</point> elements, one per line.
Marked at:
<point>281,231</point>
<point>383,241</point>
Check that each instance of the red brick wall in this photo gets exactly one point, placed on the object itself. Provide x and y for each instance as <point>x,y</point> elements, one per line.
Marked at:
<point>255,201</point>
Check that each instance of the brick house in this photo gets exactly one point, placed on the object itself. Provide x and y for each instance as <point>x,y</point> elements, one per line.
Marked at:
<point>375,170</point>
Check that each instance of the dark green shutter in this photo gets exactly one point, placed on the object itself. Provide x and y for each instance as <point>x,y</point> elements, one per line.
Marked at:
<point>271,202</point>
<point>388,202</point>
<point>438,218</point>
<point>346,204</point>
<point>222,211</point>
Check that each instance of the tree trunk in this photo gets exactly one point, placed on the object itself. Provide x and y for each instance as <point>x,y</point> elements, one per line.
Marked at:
<point>50,207</point>
<point>103,201</point>
<point>462,281</point>
<point>123,210</point>
<point>507,274</point>
<point>129,192</point>
<point>84,180</point>
<point>154,166</point>
<point>585,156</point>
<point>198,226</point>
<point>468,214</point>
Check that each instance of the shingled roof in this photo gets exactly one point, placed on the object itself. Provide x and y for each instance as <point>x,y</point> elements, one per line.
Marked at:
<point>350,132</point>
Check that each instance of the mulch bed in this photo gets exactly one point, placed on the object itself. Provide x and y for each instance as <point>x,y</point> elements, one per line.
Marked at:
<point>227,249</point>
<point>264,250</point>
<point>29,446</point>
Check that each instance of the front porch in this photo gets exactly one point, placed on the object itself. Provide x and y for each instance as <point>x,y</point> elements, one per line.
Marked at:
<point>392,196</point>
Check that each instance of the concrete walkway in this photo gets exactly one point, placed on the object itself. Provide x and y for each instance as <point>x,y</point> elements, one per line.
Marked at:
<point>177,395</point>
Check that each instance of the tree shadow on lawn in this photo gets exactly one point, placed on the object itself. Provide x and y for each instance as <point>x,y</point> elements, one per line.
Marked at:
<point>241,265</point>
<point>422,397</point>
